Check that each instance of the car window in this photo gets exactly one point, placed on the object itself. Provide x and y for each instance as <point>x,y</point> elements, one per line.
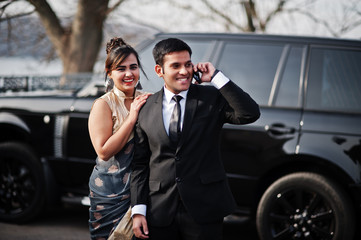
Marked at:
<point>288,92</point>
<point>334,81</point>
<point>252,67</point>
<point>155,83</point>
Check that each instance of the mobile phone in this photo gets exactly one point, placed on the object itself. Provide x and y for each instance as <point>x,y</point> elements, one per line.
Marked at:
<point>197,77</point>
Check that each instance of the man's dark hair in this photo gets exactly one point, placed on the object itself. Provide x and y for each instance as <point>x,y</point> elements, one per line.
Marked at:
<point>166,46</point>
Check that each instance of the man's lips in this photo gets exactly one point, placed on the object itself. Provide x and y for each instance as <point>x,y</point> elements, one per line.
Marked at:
<point>182,79</point>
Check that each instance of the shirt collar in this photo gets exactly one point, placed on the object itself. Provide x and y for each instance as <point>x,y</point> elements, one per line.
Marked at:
<point>121,94</point>
<point>168,94</point>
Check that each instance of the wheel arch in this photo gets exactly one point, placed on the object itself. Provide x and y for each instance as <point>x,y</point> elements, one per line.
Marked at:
<point>300,204</point>
<point>304,163</point>
<point>13,128</point>
<point>15,131</point>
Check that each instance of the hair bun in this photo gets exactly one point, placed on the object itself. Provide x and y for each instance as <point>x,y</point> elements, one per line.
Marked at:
<point>114,43</point>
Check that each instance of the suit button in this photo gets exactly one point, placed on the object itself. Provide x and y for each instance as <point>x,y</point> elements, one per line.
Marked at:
<point>177,158</point>
<point>178,179</point>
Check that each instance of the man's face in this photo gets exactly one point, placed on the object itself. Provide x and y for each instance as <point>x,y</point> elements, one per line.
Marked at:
<point>177,71</point>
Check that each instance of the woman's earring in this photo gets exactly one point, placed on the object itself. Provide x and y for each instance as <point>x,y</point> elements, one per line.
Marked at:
<point>138,85</point>
<point>109,85</point>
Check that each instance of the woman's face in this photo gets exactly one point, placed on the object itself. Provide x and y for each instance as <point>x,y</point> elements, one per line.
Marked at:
<point>126,75</point>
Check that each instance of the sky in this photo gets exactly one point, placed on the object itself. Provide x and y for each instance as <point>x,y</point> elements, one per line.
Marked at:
<point>167,16</point>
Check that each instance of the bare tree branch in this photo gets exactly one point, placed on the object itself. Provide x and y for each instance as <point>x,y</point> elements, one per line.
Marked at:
<point>201,15</point>
<point>251,14</point>
<point>352,17</point>
<point>115,6</point>
<point>51,24</point>
<point>190,7</point>
<point>315,19</point>
<point>3,9</point>
<point>272,14</point>
<point>223,15</point>
<point>7,17</point>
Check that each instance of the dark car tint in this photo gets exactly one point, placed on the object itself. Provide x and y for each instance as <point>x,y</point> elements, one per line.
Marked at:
<point>334,80</point>
<point>252,67</point>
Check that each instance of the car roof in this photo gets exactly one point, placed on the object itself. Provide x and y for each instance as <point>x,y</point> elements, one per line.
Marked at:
<point>268,37</point>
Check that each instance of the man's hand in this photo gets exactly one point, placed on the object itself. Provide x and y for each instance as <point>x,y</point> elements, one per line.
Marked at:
<point>139,224</point>
<point>206,69</point>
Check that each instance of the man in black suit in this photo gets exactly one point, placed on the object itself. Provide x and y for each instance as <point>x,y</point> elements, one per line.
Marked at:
<point>179,188</point>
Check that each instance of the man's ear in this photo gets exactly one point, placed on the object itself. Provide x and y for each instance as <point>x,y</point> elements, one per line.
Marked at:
<point>158,70</point>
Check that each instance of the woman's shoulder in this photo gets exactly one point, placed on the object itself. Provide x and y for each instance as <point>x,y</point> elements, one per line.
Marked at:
<point>99,103</point>
<point>106,95</point>
<point>102,101</point>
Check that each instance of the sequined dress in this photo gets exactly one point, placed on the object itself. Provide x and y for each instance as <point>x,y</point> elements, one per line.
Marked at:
<point>109,182</point>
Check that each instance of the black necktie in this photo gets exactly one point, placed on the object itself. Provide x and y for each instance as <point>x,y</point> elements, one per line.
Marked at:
<point>174,125</point>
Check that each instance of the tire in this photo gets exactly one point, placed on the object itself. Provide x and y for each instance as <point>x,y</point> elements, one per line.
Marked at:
<point>21,183</point>
<point>305,206</point>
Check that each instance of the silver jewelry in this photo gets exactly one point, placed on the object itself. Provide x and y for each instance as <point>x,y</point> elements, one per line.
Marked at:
<point>109,84</point>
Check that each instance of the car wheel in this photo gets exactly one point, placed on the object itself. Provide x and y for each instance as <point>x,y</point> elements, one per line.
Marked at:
<point>305,206</point>
<point>21,183</point>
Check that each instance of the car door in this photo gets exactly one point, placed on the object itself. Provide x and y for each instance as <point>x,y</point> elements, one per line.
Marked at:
<point>331,127</point>
<point>271,72</point>
<point>79,150</point>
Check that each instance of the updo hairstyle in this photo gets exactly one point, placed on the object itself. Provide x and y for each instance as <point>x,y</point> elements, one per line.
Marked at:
<point>117,51</point>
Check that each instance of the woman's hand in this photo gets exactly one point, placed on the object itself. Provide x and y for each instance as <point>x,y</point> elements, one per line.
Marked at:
<point>136,105</point>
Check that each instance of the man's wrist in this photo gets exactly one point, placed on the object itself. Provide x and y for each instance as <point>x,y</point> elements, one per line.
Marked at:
<point>214,74</point>
<point>219,79</point>
<point>139,209</point>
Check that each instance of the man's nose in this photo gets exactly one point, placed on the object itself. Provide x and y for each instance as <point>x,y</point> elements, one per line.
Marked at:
<point>183,71</point>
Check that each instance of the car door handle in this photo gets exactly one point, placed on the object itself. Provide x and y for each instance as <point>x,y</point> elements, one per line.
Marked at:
<point>279,129</point>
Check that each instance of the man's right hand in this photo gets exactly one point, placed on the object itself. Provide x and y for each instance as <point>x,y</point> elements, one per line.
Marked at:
<point>140,226</point>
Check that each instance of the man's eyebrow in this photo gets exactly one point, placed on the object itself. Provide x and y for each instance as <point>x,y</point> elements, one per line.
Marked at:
<point>174,63</point>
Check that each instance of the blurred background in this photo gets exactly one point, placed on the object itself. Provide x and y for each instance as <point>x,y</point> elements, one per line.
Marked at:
<point>50,37</point>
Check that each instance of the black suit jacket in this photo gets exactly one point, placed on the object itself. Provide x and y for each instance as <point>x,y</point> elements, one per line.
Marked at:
<point>192,171</point>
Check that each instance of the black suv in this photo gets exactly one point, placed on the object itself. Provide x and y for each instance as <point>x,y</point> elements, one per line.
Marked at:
<point>296,171</point>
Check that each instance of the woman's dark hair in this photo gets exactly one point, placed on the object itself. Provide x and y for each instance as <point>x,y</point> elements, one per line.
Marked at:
<point>117,51</point>
<point>166,46</point>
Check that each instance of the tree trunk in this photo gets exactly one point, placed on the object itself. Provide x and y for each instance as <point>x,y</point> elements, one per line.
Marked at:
<point>78,45</point>
<point>86,36</point>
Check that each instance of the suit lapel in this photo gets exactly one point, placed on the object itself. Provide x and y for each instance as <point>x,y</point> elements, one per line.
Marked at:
<point>190,109</point>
